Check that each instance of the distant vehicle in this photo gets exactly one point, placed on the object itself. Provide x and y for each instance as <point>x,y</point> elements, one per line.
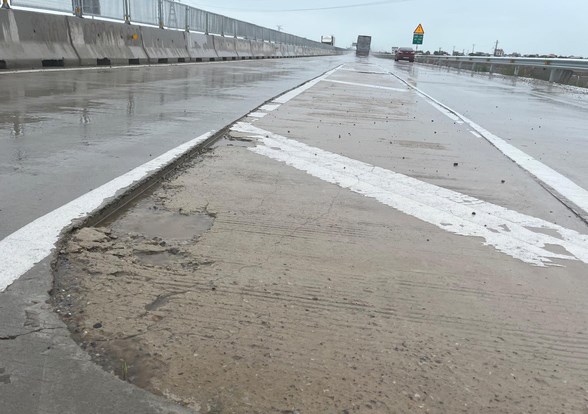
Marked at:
<point>404,53</point>
<point>363,45</point>
<point>328,40</point>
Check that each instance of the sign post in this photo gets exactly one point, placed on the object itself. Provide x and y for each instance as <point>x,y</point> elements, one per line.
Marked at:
<point>418,35</point>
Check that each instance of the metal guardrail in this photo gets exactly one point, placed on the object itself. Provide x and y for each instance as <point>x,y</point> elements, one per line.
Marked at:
<point>168,14</point>
<point>552,63</point>
<point>558,70</point>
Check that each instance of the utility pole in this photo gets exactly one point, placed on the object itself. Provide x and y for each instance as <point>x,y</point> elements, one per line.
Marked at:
<point>495,48</point>
<point>279,26</point>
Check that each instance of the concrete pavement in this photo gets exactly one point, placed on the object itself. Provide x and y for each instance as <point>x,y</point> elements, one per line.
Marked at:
<point>348,247</point>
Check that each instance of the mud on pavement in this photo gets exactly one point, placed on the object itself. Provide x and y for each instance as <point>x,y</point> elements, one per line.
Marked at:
<point>243,285</point>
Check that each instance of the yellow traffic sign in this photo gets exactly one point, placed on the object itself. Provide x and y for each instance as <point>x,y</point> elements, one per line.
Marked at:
<point>419,29</point>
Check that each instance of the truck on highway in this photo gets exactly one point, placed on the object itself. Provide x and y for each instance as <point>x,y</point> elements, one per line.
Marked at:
<point>363,45</point>
<point>328,40</point>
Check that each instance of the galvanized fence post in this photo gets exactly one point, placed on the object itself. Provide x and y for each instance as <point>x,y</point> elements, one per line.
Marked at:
<point>77,7</point>
<point>160,13</point>
<point>127,11</point>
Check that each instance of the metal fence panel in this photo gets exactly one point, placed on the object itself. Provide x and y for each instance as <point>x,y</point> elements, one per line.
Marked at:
<point>55,5</point>
<point>111,9</point>
<point>229,26</point>
<point>142,11</point>
<point>174,15</point>
<point>244,30</point>
<point>215,23</point>
<point>197,20</point>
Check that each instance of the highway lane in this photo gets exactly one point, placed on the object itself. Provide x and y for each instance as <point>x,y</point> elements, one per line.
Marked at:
<point>63,133</point>
<point>546,121</point>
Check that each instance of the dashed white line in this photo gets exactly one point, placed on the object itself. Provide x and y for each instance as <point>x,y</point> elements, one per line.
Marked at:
<point>257,114</point>
<point>295,92</point>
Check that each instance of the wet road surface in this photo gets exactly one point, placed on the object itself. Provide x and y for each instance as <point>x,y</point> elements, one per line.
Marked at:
<point>439,298</point>
<point>63,133</point>
<point>547,121</point>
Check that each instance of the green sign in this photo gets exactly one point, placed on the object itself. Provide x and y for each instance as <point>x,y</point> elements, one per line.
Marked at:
<point>417,39</point>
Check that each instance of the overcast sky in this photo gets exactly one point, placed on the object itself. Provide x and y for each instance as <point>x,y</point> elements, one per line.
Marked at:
<point>524,26</point>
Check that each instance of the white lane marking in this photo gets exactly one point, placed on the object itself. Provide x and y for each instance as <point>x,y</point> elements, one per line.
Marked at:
<point>297,91</point>
<point>474,133</point>
<point>365,85</point>
<point>269,107</point>
<point>369,72</point>
<point>515,234</point>
<point>257,114</point>
<point>445,112</point>
<point>557,181</point>
<point>21,250</point>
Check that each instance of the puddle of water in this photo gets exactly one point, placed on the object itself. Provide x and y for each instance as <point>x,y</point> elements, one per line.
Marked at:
<point>155,222</point>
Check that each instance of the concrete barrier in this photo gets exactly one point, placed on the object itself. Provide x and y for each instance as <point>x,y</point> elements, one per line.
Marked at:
<point>105,43</point>
<point>243,48</point>
<point>288,50</point>
<point>201,47</point>
<point>32,40</point>
<point>165,46</point>
<point>263,50</point>
<point>225,47</point>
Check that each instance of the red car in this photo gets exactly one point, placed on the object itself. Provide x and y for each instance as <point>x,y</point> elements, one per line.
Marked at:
<point>404,53</point>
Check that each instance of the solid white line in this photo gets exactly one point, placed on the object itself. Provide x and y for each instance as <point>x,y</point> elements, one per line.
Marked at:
<point>557,181</point>
<point>21,250</point>
<point>445,112</point>
<point>515,234</point>
<point>297,91</point>
<point>474,133</point>
<point>365,85</point>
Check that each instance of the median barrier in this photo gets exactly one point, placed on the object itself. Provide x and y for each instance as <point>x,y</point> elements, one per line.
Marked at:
<point>225,47</point>
<point>243,48</point>
<point>164,46</point>
<point>201,47</point>
<point>263,50</point>
<point>99,42</point>
<point>33,40</point>
<point>287,50</point>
